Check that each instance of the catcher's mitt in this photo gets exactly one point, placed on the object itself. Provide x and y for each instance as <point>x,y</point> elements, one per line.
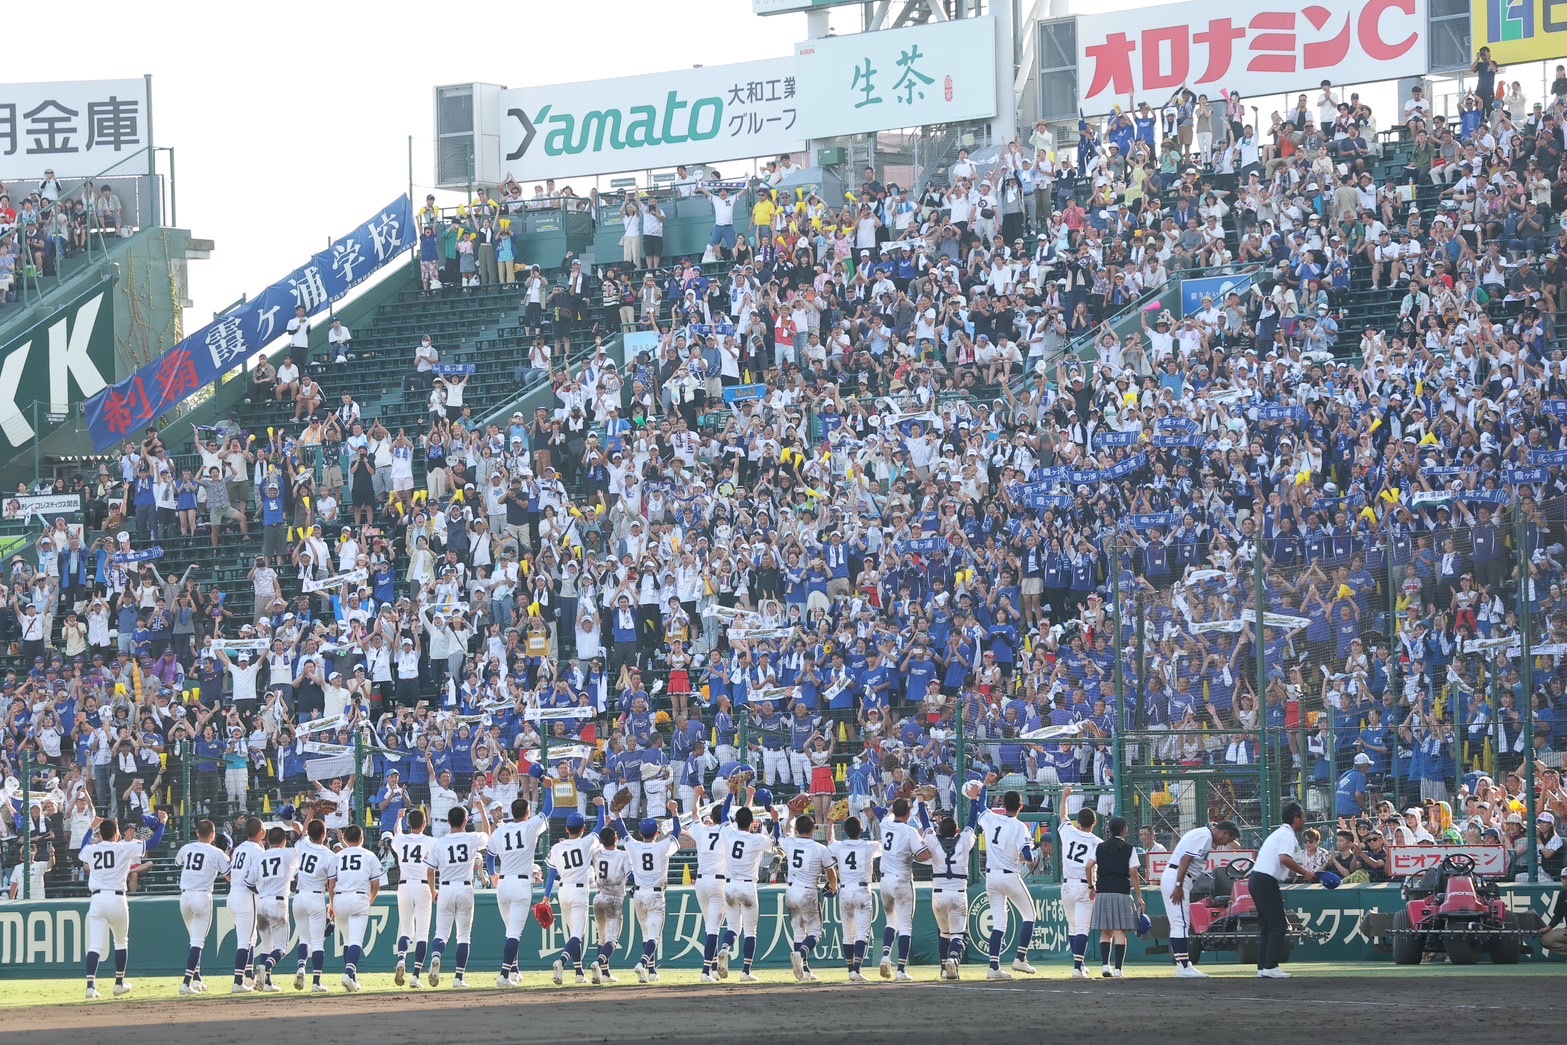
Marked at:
<point>621,800</point>
<point>799,804</point>
<point>928,792</point>
<point>839,811</point>
<point>544,914</point>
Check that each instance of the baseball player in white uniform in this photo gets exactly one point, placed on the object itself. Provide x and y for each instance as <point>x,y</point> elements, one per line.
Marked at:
<point>901,845</point>
<point>611,872</point>
<point>712,871</point>
<point>317,880</point>
<point>949,864</point>
<point>453,858</point>
<point>1007,852</point>
<point>242,903</point>
<point>514,845</point>
<point>571,864</point>
<point>806,861</point>
<point>1189,859</point>
<point>743,851</point>
<point>853,855</point>
<point>649,857</point>
<point>359,878</point>
<point>411,848</point>
<point>200,863</point>
<point>272,874</point>
<point>1077,847</point>
<point>109,862</point>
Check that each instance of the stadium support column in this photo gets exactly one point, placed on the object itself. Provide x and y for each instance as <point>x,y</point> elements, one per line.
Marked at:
<point>1526,669</point>
<point>1259,644</point>
<point>1117,736</point>
<point>27,826</point>
<point>1004,127</point>
<point>359,775</point>
<point>960,777</point>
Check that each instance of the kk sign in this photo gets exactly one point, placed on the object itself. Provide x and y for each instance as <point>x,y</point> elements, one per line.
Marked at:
<point>58,362</point>
<point>721,112</point>
<point>930,74</point>
<point>76,128</point>
<point>1276,47</point>
<point>1521,30</point>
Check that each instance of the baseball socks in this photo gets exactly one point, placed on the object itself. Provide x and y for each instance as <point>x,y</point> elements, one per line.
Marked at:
<point>1079,945</point>
<point>351,955</point>
<point>1180,947</point>
<point>241,959</point>
<point>709,953</point>
<point>1023,940</point>
<point>748,953</point>
<point>192,964</point>
<point>606,951</point>
<point>955,948</point>
<point>889,936</point>
<point>509,955</point>
<point>995,948</point>
<point>92,970</point>
<point>859,955</point>
<point>806,947</point>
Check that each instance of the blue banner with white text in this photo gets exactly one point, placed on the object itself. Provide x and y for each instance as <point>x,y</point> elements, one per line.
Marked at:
<point>120,411</point>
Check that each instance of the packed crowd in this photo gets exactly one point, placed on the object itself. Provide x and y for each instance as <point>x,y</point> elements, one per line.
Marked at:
<point>42,226</point>
<point>923,516</point>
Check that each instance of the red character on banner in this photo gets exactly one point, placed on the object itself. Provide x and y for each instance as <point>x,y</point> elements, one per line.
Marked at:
<point>1274,42</point>
<point>1369,29</point>
<point>125,407</point>
<point>1167,57</point>
<point>1112,65</point>
<point>177,376</point>
<point>1219,38</point>
<point>1326,54</point>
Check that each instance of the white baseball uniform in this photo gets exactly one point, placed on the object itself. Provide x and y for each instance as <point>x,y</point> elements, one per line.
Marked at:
<point>200,863</point>
<point>611,868</point>
<point>515,845</point>
<point>357,867</point>
<point>743,851</point>
<point>572,859</point>
<point>412,853</point>
<point>853,858</point>
<point>241,898</point>
<point>275,869</point>
<point>453,857</point>
<point>949,883</point>
<point>650,875</point>
<point>805,859</point>
<point>108,915</point>
<point>1005,839</point>
<point>1196,843</point>
<point>1077,848</point>
<point>901,844</point>
<point>317,876</point>
<point>712,871</point>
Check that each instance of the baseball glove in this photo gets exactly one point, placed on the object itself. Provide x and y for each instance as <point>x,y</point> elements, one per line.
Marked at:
<point>544,914</point>
<point>928,792</point>
<point>839,811</point>
<point>621,800</point>
<point>799,804</point>
<point>906,789</point>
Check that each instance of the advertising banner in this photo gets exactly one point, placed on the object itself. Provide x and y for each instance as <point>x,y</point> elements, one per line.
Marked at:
<point>44,505</point>
<point>930,74</point>
<point>1520,30</point>
<point>233,338</point>
<point>58,362</point>
<point>1149,53</point>
<point>1404,860</point>
<point>720,112</point>
<point>75,128</point>
<point>1218,287</point>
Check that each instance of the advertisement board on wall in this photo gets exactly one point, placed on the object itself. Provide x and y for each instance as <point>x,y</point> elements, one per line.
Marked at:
<point>928,74</point>
<point>76,128</point>
<point>1520,30</point>
<point>1275,47</point>
<point>55,364</point>
<point>720,112</point>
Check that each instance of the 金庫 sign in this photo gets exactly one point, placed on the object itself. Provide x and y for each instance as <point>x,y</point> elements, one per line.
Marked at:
<point>1149,53</point>
<point>929,74</point>
<point>76,128</point>
<point>722,112</point>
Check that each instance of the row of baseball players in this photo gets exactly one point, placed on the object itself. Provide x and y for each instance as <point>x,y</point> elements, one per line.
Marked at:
<point>593,870</point>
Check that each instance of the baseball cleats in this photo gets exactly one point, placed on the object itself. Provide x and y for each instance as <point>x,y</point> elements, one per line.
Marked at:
<point>1117,974</point>
<point>414,983</point>
<point>320,988</point>
<point>1190,972</point>
<point>350,984</point>
<point>92,994</point>
<point>558,972</point>
<point>652,976</point>
<point>1019,965</point>
<point>596,976</point>
<point>723,964</point>
<point>797,965</point>
<point>946,968</point>
<point>187,991</point>
<point>435,971</point>
<point>706,977</point>
<point>1079,973</point>
<point>299,979</point>
<point>885,968</point>
<point>582,979</point>
<point>270,988</point>
<point>244,988</point>
<point>504,980</point>
<point>746,977</point>
<point>903,977</point>
<point>856,976</point>
<point>641,972</point>
<point>1274,973</point>
<point>810,977</point>
<point>460,984</point>
<point>399,975</point>
<point>998,974</point>
<point>122,989</point>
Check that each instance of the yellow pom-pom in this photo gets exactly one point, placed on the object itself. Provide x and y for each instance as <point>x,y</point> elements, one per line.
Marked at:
<point>305,501</point>
<point>1303,477</point>
<point>1368,513</point>
<point>458,496</point>
<point>1390,496</point>
<point>1429,439</point>
<point>505,224</point>
<point>534,609</point>
<point>1346,592</point>
<point>799,193</point>
<point>526,567</point>
<point>270,432</point>
<point>1376,424</point>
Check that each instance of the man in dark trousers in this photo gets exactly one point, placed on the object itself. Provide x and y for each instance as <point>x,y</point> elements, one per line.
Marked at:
<point>1275,861</point>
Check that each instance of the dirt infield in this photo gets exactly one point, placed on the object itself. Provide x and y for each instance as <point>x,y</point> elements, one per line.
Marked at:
<point>972,1011</point>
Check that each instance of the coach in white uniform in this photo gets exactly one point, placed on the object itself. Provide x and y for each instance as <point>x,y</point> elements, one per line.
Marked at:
<point>1278,857</point>
<point>1007,852</point>
<point>109,862</point>
<point>1189,859</point>
<point>200,863</point>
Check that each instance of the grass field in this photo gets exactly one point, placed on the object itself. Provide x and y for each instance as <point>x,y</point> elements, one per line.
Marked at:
<point>30,993</point>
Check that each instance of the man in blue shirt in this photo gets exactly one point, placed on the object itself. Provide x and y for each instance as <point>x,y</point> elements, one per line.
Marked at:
<point>391,801</point>
<point>1350,798</point>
